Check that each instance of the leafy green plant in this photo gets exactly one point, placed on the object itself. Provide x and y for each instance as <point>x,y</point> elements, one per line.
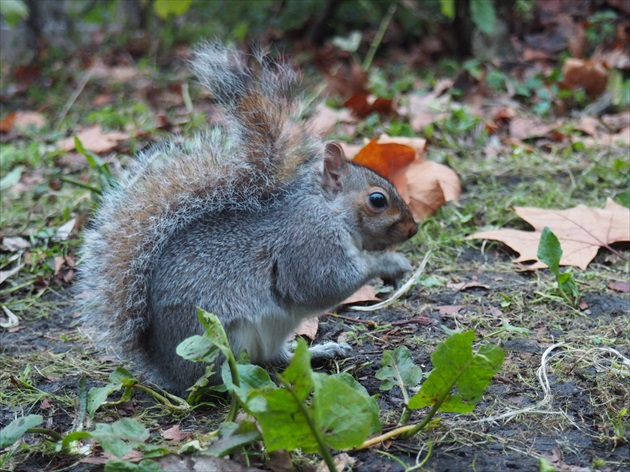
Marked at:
<point>299,409</point>
<point>100,168</point>
<point>550,252</point>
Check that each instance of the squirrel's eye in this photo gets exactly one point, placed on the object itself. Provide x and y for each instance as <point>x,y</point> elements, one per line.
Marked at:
<point>378,200</point>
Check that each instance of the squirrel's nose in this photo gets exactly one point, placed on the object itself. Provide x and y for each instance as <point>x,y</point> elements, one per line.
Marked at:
<point>412,231</point>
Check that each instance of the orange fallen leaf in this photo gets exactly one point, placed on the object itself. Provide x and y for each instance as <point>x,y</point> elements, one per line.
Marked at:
<point>581,231</point>
<point>424,185</point>
<point>587,74</point>
<point>94,140</point>
<point>22,119</point>
<point>385,159</point>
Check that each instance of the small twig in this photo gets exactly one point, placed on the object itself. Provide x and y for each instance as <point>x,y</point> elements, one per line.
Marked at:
<point>353,320</point>
<point>421,320</point>
<point>73,98</point>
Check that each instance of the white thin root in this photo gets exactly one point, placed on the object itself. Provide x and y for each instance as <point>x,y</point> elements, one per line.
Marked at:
<point>398,293</point>
<point>600,358</point>
<point>11,320</point>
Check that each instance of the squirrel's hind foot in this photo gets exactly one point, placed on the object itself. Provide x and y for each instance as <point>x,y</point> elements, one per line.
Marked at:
<point>330,350</point>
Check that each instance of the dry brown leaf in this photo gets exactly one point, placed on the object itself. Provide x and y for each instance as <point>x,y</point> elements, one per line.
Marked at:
<point>94,140</point>
<point>363,105</point>
<point>175,434</point>
<point>307,328</point>
<point>587,74</point>
<point>429,186</point>
<point>525,128</point>
<point>449,310</point>
<point>617,121</point>
<point>581,231</point>
<point>326,118</point>
<point>619,286</point>
<point>367,293</point>
<point>424,110</point>
<point>22,119</point>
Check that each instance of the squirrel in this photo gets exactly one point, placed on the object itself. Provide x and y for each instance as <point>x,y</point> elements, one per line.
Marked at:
<point>257,220</point>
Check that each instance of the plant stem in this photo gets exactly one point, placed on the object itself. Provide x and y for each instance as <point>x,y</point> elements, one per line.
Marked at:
<point>378,39</point>
<point>323,449</point>
<point>78,183</point>
<point>183,405</point>
<point>236,380</point>
<point>406,413</point>
<point>48,432</point>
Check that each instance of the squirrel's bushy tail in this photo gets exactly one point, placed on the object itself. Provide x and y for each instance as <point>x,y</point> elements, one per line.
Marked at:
<point>261,148</point>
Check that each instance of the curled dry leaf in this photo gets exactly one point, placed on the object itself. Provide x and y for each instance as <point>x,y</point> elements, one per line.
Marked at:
<point>363,105</point>
<point>94,140</point>
<point>587,74</point>
<point>424,185</point>
<point>581,231</point>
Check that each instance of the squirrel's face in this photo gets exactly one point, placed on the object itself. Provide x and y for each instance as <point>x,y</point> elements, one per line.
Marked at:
<point>384,218</point>
<point>379,216</point>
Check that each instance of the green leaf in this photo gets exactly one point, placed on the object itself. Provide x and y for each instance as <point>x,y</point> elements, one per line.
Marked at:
<point>299,373</point>
<point>232,437</point>
<point>549,250</point>
<point>623,199</point>
<point>198,349</point>
<point>98,395</point>
<point>398,369</point>
<point>16,429</point>
<point>206,348</point>
<point>124,466</point>
<point>12,177</point>
<point>70,438</point>
<point>13,11</point>
<point>456,367</point>
<point>252,377</point>
<point>448,8</point>
<point>281,420</point>
<point>483,15</point>
<point>165,8</point>
<point>343,414</point>
<point>373,405</point>
<point>567,284</point>
<point>120,437</point>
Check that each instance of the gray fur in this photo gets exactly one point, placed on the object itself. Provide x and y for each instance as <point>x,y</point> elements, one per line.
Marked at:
<point>228,223</point>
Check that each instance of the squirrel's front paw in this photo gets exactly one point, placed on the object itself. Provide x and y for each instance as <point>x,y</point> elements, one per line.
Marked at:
<point>394,269</point>
<point>330,350</point>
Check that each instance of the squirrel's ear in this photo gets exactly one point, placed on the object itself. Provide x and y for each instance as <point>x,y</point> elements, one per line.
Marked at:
<point>335,167</point>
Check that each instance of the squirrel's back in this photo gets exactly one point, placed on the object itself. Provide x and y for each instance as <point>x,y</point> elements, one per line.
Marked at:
<point>261,148</point>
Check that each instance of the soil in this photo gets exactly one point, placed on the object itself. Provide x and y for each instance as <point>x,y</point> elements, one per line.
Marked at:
<point>575,434</point>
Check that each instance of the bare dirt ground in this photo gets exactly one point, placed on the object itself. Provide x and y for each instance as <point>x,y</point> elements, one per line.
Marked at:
<point>574,431</point>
